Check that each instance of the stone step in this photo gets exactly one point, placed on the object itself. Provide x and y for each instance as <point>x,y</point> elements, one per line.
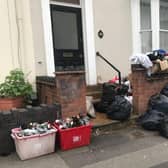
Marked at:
<point>91,88</point>
<point>95,94</point>
<point>96,100</point>
<point>111,125</point>
<point>95,91</point>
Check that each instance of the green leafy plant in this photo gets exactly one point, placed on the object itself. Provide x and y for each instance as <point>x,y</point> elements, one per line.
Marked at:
<point>15,85</point>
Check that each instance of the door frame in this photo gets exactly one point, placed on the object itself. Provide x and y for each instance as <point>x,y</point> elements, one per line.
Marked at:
<point>88,38</point>
<point>77,57</point>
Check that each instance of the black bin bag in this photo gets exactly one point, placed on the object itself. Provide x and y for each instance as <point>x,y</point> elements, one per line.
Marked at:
<point>122,89</point>
<point>101,106</point>
<point>159,102</point>
<point>120,109</point>
<point>108,94</point>
<point>109,91</point>
<point>164,91</point>
<point>151,120</point>
<point>164,128</point>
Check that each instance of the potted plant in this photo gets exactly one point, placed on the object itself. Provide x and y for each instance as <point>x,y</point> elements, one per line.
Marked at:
<point>14,90</point>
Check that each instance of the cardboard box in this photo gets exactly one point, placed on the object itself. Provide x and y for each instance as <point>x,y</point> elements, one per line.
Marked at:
<point>163,65</point>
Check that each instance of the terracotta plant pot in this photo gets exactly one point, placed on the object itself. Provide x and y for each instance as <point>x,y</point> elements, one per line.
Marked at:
<point>9,103</point>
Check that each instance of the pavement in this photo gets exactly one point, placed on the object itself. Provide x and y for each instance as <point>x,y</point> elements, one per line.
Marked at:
<point>162,165</point>
<point>127,148</point>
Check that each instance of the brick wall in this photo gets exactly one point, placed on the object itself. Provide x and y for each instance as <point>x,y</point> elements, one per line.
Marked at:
<point>68,88</point>
<point>144,87</point>
<point>46,89</point>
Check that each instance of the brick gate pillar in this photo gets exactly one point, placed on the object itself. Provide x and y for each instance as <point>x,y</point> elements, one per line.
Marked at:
<point>144,87</point>
<point>71,92</point>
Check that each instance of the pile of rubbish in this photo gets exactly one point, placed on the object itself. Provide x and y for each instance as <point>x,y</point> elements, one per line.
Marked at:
<point>156,117</point>
<point>116,100</point>
<point>34,129</point>
<point>155,61</point>
<point>71,122</point>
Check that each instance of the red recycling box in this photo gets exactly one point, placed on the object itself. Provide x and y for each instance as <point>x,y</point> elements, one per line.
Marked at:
<point>74,137</point>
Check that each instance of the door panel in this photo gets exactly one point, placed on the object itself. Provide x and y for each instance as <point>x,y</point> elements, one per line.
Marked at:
<point>67,38</point>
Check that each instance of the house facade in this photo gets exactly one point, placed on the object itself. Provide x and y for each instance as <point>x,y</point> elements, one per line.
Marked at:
<point>30,30</point>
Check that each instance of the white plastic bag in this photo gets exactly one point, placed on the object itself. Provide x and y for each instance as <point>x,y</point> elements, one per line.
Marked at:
<point>89,107</point>
<point>141,59</point>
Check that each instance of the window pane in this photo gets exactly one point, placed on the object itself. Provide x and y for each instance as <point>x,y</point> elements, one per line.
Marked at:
<point>164,14</point>
<point>145,13</point>
<point>146,42</point>
<point>65,30</point>
<point>164,40</point>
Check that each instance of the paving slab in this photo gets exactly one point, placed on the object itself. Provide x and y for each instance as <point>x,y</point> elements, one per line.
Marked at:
<point>113,149</point>
<point>162,165</point>
<point>111,145</point>
<point>144,158</point>
<point>47,161</point>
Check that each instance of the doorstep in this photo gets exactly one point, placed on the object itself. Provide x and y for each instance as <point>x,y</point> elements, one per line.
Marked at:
<point>101,124</point>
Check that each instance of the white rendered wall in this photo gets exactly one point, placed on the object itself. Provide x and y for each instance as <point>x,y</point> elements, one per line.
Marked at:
<point>114,19</point>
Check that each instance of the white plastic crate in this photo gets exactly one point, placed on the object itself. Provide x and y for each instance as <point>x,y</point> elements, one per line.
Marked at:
<point>35,145</point>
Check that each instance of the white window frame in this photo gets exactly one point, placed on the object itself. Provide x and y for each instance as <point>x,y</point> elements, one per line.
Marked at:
<point>155,25</point>
<point>88,37</point>
<point>162,30</point>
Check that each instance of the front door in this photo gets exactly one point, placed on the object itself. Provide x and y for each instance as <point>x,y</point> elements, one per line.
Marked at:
<point>67,38</point>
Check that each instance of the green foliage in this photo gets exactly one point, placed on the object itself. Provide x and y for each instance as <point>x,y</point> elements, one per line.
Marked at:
<point>15,85</point>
